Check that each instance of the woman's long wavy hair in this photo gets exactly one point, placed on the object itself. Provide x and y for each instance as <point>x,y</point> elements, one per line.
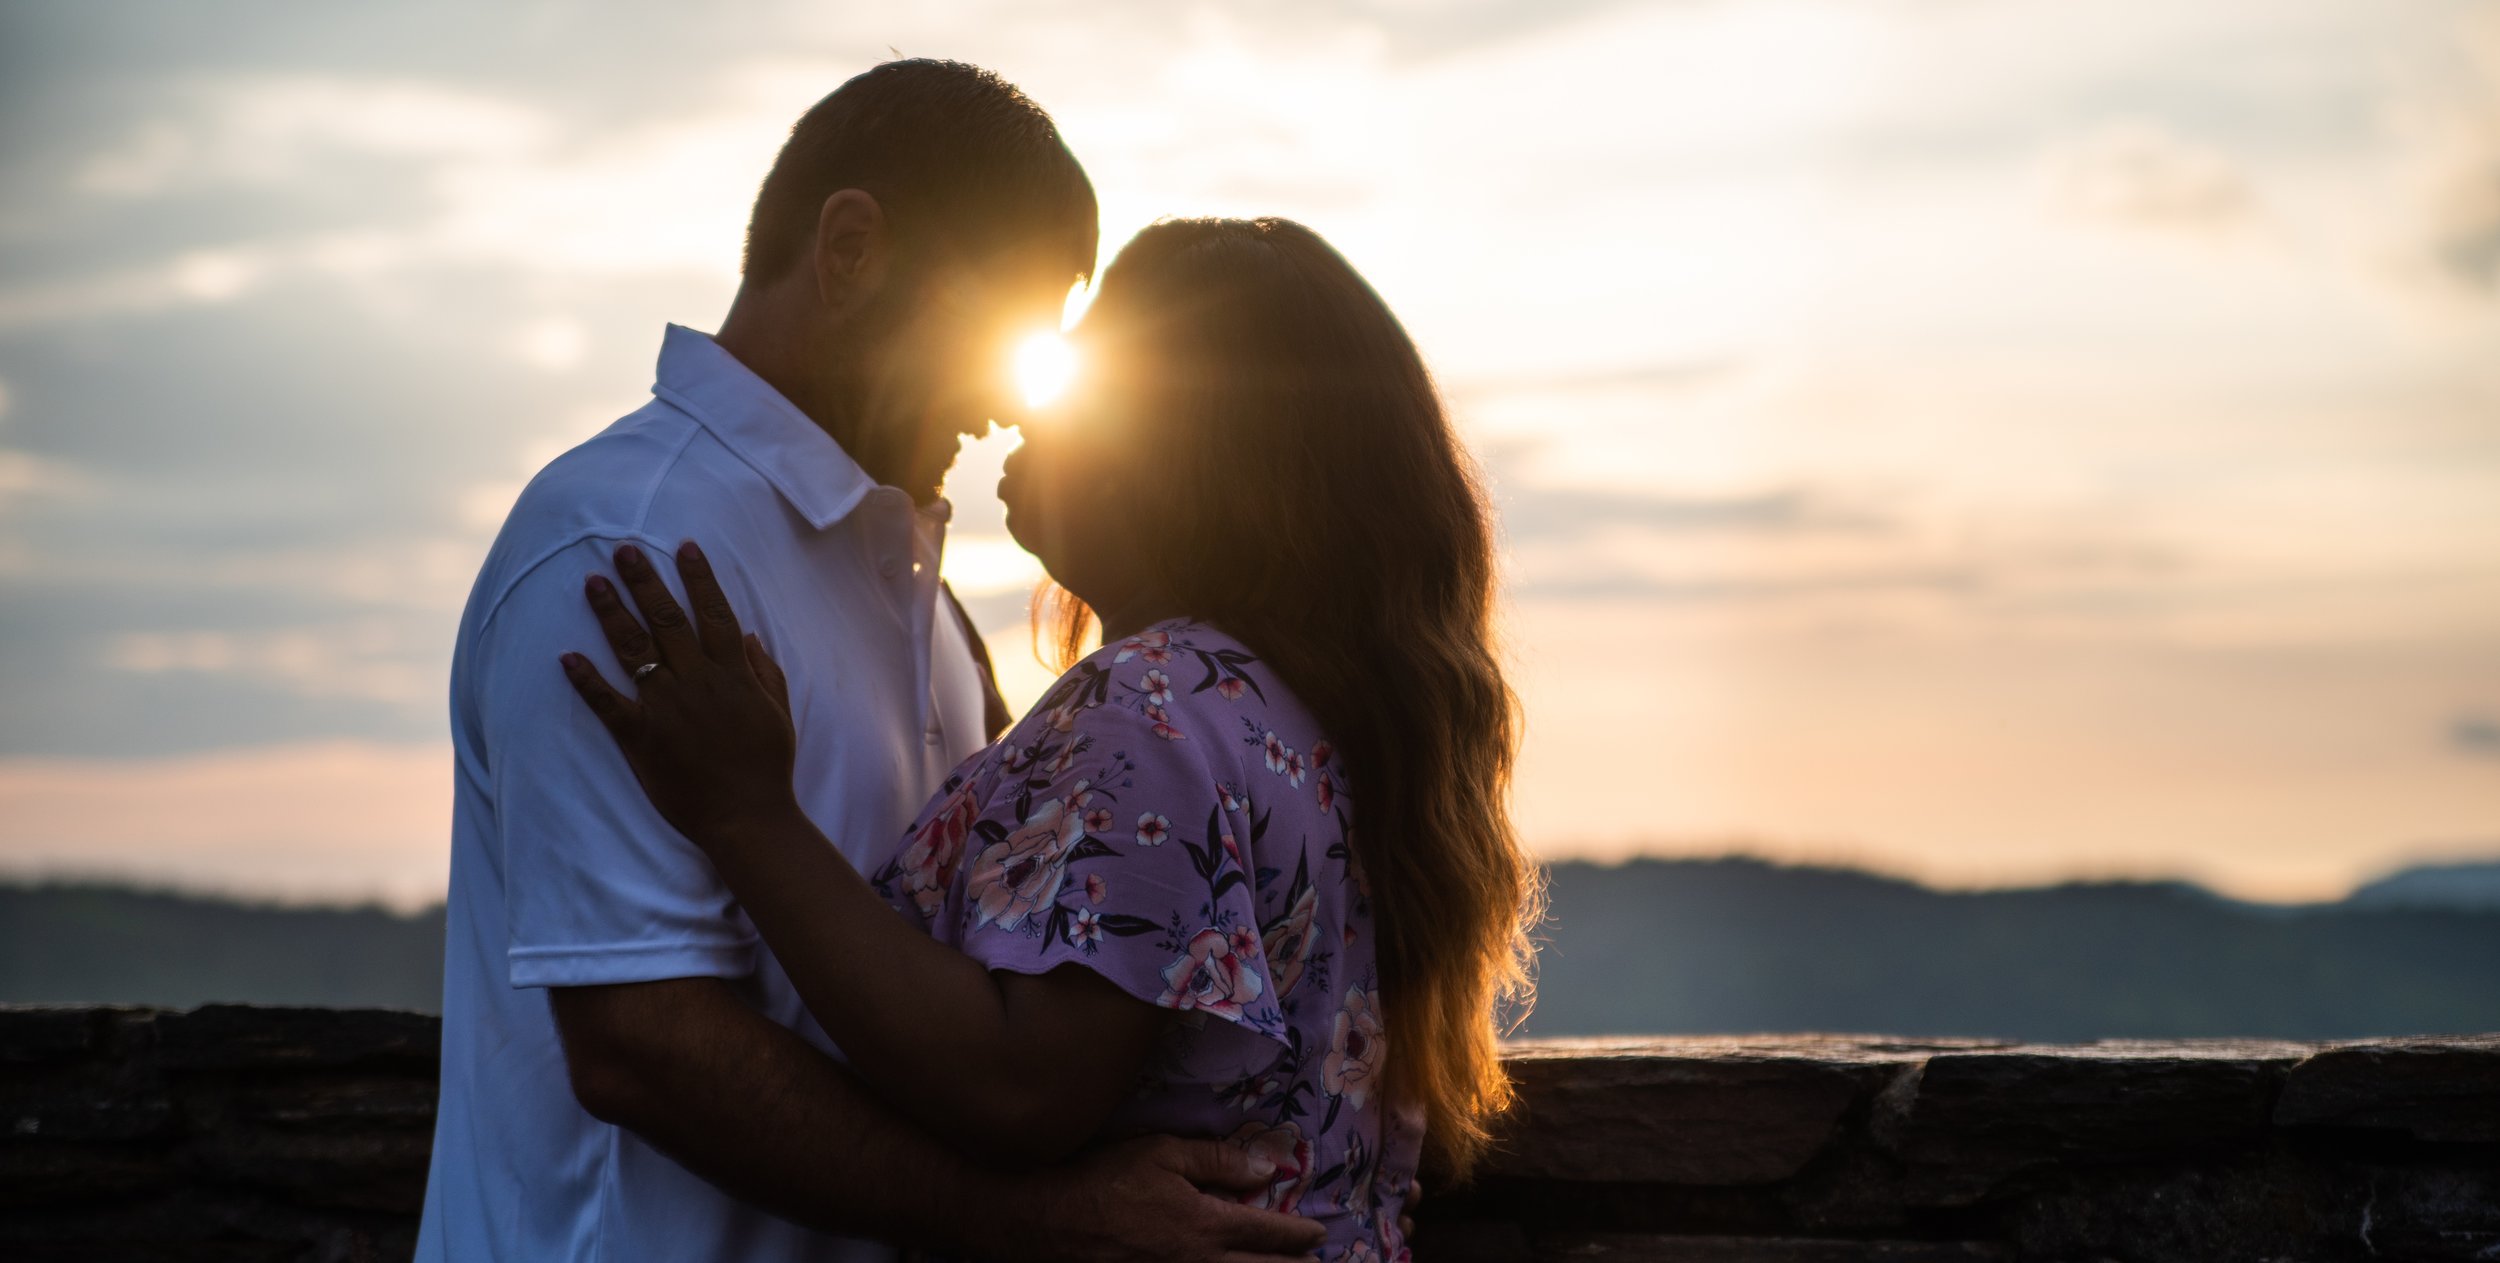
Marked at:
<point>1312,500</point>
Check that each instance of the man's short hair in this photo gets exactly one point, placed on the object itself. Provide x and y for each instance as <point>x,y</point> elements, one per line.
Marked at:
<point>964,164</point>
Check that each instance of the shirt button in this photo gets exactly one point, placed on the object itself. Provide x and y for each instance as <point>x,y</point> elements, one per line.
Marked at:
<point>889,567</point>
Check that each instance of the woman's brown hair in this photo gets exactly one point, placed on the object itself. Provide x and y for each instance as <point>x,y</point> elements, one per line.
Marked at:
<point>1315,503</point>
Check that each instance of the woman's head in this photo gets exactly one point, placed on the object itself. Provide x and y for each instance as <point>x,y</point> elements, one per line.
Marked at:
<point>1258,444</point>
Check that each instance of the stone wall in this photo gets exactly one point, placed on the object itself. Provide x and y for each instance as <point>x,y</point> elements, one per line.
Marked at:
<point>1808,1149</point>
<point>227,1133</point>
<point>300,1134</point>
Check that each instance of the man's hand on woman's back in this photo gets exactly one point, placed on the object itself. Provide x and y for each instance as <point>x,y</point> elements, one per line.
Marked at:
<point>1150,1200</point>
<point>758,1111</point>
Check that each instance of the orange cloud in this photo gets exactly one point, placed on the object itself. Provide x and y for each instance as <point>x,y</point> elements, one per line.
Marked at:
<point>329,820</point>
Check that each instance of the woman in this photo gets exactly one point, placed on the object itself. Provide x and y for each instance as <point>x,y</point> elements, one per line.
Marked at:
<point>1245,871</point>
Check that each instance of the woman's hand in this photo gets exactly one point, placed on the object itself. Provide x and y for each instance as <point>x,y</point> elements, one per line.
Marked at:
<point>708,733</point>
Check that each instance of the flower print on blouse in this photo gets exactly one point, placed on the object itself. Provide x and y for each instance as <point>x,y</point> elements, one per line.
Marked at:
<point>1170,817</point>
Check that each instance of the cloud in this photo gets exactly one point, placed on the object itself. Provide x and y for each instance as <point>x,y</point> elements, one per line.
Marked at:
<point>1748,269</point>
<point>2477,735</point>
<point>1670,376</point>
<point>324,819</point>
<point>555,344</point>
<point>1634,586</point>
<point>2140,175</point>
<point>2454,151</point>
<point>193,278</point>
<point>24,476</point>
<point>259,179</point>
<point>368,659</point>
<point>1554,513</point>
<point>271,130</point>
<point>1861,553</point>
<point>1533,508</point>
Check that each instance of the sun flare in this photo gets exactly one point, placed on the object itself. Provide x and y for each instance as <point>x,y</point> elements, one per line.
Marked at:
<point>1045,364</point>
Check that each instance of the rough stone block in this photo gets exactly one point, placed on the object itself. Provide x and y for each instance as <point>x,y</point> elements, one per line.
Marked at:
<point>44,1174</point>
<point>1990,1112</point>
<point>39,1110</point>
<point>332,1101</point>
<point>2443,1090</point>
<point>1690,1112</point>
<point>1662,1248</point>
<point>200,1226</point>
<point>241,1036</point>
<point>382,1171</point>
<point>2439,1213</point>
<point>32,1034</point>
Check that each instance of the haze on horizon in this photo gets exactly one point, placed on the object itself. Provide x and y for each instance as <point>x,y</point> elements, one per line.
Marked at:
<point>1989,442</point>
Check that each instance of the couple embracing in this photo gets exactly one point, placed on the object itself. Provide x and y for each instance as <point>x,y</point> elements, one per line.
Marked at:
<point>772,937</point>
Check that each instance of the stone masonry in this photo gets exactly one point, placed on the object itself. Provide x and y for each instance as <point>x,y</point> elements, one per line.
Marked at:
<point>300,1135</point>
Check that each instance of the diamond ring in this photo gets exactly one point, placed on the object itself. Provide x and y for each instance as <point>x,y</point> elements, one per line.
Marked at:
<point>643,670</point>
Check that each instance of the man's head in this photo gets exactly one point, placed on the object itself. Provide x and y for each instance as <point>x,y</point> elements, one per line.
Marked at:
<point>918,222</point>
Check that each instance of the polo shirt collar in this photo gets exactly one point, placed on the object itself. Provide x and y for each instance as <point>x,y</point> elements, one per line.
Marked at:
<point>760,427</point>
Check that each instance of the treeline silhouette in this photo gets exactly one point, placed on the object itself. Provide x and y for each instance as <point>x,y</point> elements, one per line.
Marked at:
<point>1653,946</point>
<point>1731,945</point>
<point>99,944</point>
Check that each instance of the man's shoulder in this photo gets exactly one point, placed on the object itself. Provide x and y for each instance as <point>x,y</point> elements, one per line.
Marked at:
<point>609,481</point>
<point>646,478</point>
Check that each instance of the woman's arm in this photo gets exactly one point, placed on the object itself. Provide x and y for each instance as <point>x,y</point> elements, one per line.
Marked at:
<point>710,738</point>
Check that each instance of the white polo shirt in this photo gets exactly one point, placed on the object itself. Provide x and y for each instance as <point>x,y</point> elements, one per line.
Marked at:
<point>561,872</point>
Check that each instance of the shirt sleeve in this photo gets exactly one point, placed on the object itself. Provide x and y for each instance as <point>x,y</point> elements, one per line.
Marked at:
<point>1107,842</point>
<point>598,887</point>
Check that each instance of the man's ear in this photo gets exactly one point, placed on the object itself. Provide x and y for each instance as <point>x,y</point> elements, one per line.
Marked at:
<point>851,255</point>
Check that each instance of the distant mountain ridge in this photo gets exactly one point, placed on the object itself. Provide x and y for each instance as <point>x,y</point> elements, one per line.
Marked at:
<point>2473,885</point>
<point>1651,946</point>
<point>1702,946</point>
<point>119,945</point>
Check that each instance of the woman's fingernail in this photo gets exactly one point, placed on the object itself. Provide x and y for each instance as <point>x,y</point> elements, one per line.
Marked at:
<point>690,551</point>
<point>628,557</point>
<point>1262,1167</point>
<point>599,584</point>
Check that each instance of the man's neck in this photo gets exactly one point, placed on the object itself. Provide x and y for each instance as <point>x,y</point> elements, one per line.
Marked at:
<point>765,345</point>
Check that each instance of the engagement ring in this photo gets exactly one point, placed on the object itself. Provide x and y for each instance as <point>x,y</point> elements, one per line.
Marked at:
<point>645,669</point>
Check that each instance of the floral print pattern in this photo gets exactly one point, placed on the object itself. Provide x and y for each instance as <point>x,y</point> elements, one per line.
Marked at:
<point>1170,817</point>
<point>1354,1047</point>
<point>926,867</point>
<point>1014,877</point>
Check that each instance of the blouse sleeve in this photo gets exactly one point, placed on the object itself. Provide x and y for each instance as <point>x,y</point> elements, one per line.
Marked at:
<point>1107,843</point>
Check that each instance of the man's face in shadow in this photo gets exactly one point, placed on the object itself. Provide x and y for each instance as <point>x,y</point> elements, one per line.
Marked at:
<point>945,369</point>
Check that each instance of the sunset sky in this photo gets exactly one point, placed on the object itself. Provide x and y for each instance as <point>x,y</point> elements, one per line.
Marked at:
<point>1988,440</point>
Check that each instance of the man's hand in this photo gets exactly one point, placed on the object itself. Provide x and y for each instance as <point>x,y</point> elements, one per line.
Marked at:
<point>1141,1202</point>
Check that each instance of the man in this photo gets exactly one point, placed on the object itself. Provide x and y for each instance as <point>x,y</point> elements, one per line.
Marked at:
<point>627,1073</point>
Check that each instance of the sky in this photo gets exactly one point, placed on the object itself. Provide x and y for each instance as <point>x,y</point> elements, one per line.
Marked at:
<point>1994,441</point>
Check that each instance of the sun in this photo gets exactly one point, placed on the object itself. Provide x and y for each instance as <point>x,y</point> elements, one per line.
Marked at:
<point>1045,364</point>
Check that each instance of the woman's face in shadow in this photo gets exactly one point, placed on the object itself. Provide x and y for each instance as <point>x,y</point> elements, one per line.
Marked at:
<point>1076,490</point>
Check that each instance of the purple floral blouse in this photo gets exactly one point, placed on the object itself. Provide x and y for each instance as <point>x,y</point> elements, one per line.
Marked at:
<point>1170,817</point>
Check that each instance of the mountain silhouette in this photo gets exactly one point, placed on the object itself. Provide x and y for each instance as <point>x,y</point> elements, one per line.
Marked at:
<point>1669,947</point>
<point>1647,947</point>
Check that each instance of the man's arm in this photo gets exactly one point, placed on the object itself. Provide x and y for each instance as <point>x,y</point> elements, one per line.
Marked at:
<point>748,1105</point>
<point>762,1114</point>
<point>625,923</point>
